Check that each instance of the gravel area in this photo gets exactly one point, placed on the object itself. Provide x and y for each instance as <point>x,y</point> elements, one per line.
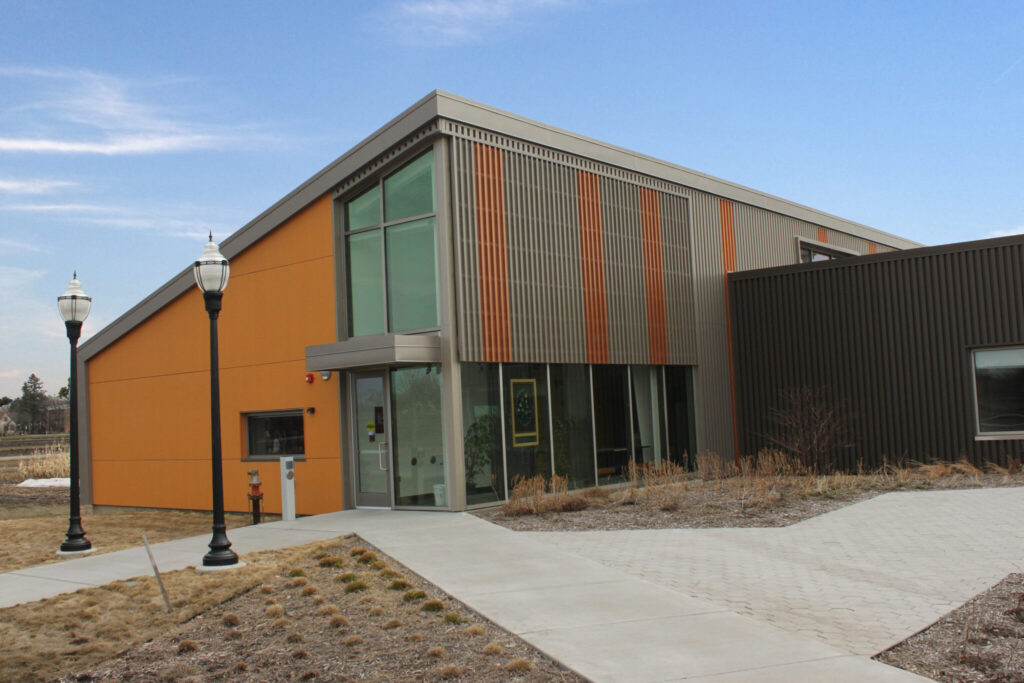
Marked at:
<point>979,642</point>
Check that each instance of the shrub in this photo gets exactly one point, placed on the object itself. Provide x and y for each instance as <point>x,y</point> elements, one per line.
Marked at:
<point>432,606</point>
<point>367,558</point>
<point>399,585</point>
<point>414,595</point>
<point>811,427</point>
<point>454,618</point>
<point>355,552</point>
<point>390,574</point>
<point>332,561</point>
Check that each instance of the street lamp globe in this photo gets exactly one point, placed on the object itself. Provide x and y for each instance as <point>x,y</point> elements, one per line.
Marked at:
<point>212,269</point>
<point>74,305</point>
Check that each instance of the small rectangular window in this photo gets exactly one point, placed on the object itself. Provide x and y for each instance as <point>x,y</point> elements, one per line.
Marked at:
<point>272,435</point>
<point>998,379</point>
<point>812,253</point>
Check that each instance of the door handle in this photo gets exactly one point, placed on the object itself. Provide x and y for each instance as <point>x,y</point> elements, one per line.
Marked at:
<point>381,462</point>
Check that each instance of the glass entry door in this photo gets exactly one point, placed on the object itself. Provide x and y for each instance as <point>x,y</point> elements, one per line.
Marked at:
<point>372,431</point>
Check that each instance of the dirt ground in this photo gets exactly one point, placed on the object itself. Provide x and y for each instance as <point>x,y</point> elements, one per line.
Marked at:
<point>34,521</point>
<point>980,642</point>
<point>723,503</point>
<point>317,612</point>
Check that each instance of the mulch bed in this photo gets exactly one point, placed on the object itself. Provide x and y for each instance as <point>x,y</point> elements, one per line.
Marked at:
<point>979,642</point>
<point>316,627</point>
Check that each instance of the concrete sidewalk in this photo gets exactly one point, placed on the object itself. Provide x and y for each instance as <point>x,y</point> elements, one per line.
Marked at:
<point>605,622</point>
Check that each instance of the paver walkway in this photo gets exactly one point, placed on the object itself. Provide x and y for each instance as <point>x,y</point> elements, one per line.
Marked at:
<point>860,579</point>
<point>804,603</point>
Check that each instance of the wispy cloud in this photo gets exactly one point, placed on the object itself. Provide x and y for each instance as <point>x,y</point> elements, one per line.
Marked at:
<point>167,222</point>
<point>7,246</point>
<point>84,112</point>
<point>33,186</point>
<point>1019,230</point>
<point>16,276</point>
<point>452,22</point>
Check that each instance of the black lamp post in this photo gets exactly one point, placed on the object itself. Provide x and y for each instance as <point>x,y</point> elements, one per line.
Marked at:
<point>211,271</point>
<point>74,308</point>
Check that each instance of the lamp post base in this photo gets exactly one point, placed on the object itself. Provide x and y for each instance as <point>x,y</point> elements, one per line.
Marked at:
<point>204,569</point>
<point>75,553</point>
<point>222,557</point>
<point>76,542</point>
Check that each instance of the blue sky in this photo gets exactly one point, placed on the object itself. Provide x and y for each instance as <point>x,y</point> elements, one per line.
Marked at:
<point>130,129</point>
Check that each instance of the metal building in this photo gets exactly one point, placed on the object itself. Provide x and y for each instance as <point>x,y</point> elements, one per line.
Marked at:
<point>474,296</point>
<point>921,352</point>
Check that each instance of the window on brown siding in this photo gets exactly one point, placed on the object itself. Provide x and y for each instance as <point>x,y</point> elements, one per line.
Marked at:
<point>276,434</point>
<point>998,379</point>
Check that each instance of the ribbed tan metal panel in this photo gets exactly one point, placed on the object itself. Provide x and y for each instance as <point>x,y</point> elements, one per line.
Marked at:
<point>676,257</point>
<point>888,340</point>
<point>624,275</point>
<point>545,296</point>
<point>464,239</point>
<point>851,242</point>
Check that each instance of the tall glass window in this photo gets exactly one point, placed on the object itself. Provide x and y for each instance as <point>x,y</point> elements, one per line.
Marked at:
<point>481,439</point>
<point>999,376</point>
<point>527,451</point>
<point>392,253</point>
<point>571,428</point>
<point>679,414</point>
<point>611,422</point>
<point>648,414</point>
<point>418,439</point>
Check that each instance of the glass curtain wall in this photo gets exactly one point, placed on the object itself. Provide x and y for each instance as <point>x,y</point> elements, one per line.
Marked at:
<point>481,441</point>
<point>612,431</point>
<point>572,432</point>
<point>418,436</point>
<point>527,451</point>
<point>679,415</point>
<point>392,253</point>
<point>648,414</point>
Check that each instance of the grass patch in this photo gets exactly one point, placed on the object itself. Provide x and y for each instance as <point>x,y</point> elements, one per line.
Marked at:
<point>432,606</point>
<point>355,587</point>
<point>414,595</point>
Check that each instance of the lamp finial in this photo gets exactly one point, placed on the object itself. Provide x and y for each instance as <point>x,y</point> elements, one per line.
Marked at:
<point>74,275</point>
<point>211,235</point>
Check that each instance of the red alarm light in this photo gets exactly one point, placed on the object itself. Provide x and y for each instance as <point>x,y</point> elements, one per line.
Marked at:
<point>309,378</point>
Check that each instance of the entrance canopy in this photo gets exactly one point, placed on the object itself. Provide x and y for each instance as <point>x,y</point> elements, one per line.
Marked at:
<point>374,351</point>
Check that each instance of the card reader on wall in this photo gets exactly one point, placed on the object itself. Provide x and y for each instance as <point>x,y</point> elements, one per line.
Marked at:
<point>288,488</point>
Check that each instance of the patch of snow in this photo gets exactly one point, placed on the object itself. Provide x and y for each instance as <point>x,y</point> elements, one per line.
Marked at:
<point>37,483</point>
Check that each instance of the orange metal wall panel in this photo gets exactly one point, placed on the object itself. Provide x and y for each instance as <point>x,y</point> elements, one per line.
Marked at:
<point>823,235</point>
<point>595,305</point>
<point>872,248</point>
<point>149,391</point>
<point>654,275</point>
<point>492,252</point>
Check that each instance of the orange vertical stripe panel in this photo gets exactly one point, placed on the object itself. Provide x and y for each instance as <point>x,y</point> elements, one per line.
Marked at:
<point>729,265</point>
<point>595,306</point>
<point>654,276</point>
<point>492,253</point>
<point>823,235</point>
<point>872,248</point>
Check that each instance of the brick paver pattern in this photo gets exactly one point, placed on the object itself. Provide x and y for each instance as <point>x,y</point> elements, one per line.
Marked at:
<point>861,578</point>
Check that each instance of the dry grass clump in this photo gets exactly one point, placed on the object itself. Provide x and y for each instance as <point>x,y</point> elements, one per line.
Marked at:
<point>399,585</point>
<point>187,646</point>
<point>297,571</point>
<point>454,618</point>
<point>332,562</point>
<point>347,577</point>
<point>519,665</point>
<point>475,630</point>
<point>327,609</point>
<point>535,496</point>
<point>437,652</point>
<point>355,587</point>
<point>390,574</point>
<point>299,653</point>
<point>274,610</point>
<point>50,462</point>
<point>492,648</point>
<point>414,595</point>
<point>310,590</point>
<point>295,637</point>
<point>376,611</point>
<point>450,671</point>
<point>357,551</point>
<point>230,619</point>
<point>432,606</point>
<point>352,640</point>
<point>367,558</point>
<point>298,581</point>
<point>339,621</point>
<point>281,623</point>
<point>391,623</point>
<point>265,588</point>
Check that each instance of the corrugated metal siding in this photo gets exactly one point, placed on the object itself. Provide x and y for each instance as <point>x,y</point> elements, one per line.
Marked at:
<point>679,306</point>
<point>467,292</point>
<point>887,338</point>
<point>624,277</point>
<point>544,261</point>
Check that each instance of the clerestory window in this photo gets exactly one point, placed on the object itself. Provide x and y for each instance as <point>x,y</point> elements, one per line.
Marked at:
<point>390,239</point>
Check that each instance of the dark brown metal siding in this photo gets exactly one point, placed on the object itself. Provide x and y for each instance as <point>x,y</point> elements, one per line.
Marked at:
<point>888,338</point>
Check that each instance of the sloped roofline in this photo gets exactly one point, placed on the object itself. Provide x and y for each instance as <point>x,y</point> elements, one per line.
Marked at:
<point>439,104</point>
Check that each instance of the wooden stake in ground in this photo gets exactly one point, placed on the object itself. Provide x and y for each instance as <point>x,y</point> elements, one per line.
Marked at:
<point>156,571</point>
